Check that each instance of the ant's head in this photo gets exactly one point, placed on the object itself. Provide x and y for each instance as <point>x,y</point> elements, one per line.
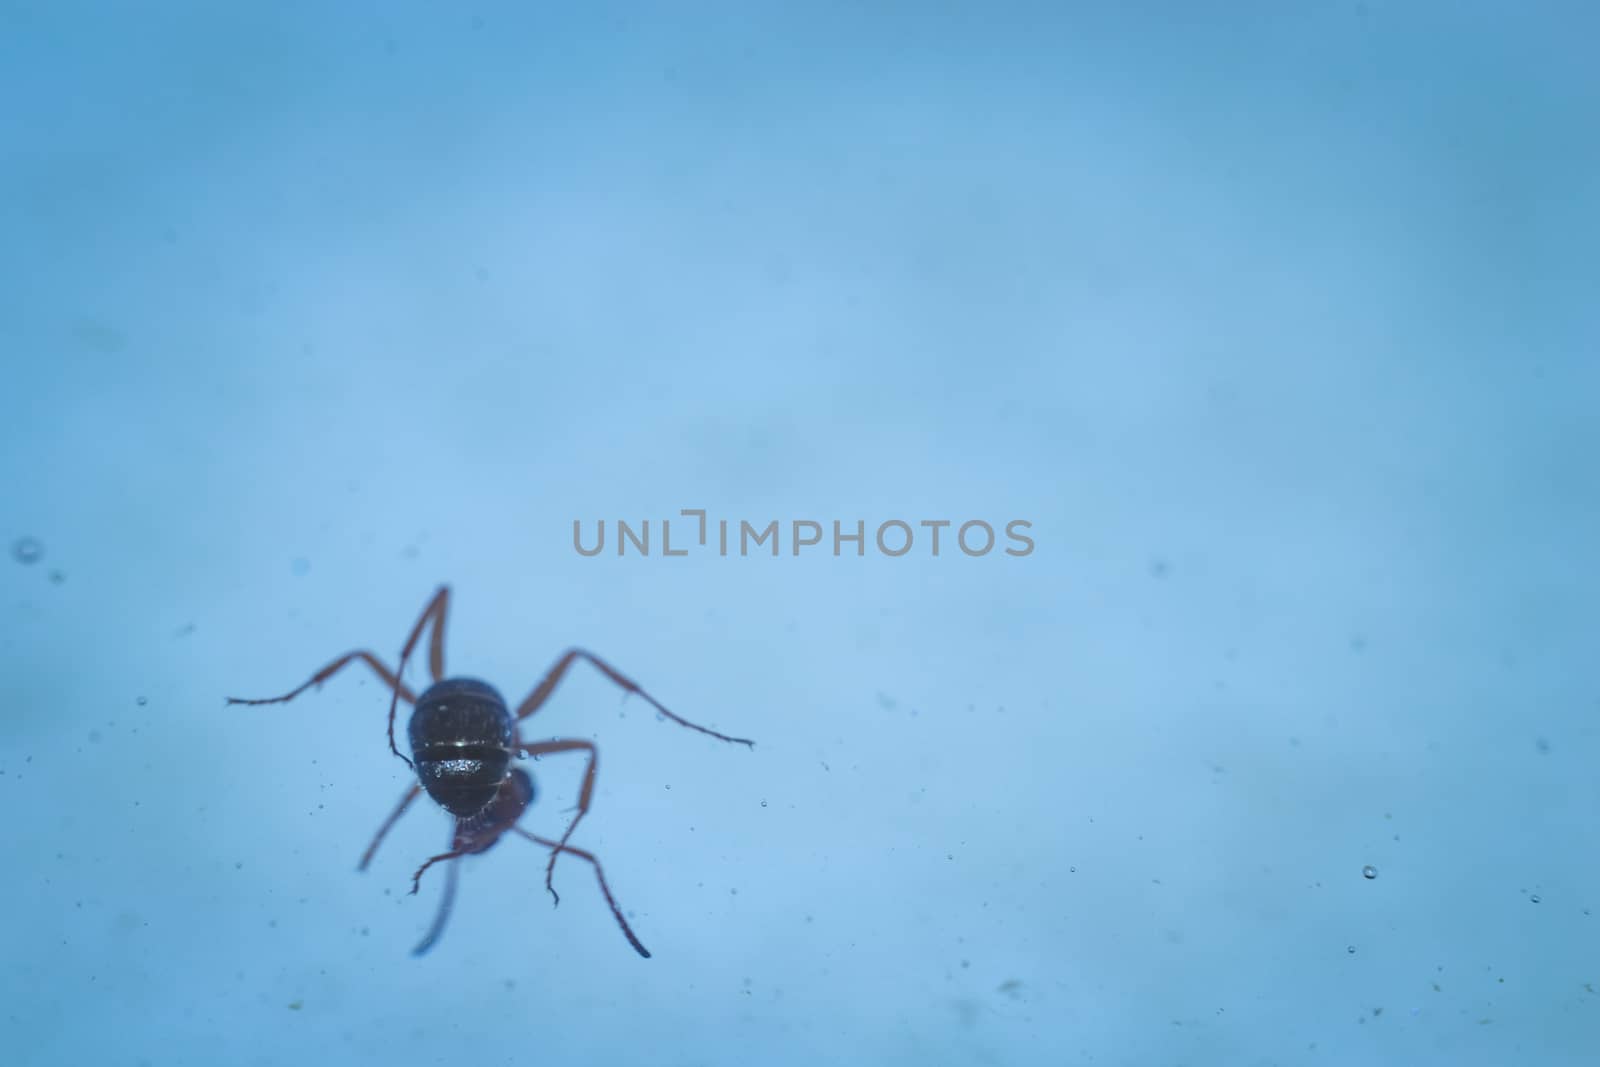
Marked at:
<point>478,832</point>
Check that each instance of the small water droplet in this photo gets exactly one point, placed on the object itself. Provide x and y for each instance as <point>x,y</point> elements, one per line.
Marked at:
<point>1351,950</point>
<point>1534,898</point>
<point>1370,872</point>
<point>141,701</point>
<point>763,803</point>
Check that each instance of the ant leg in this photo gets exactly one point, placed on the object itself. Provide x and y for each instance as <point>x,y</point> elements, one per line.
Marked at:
<point>542,692</point>
<point>394,817</point>
<point>443,915</point>
<point>616,912</point>
<point>436,611</point>
<point>455,853</point>
<point>585,794</point>
<point>392,680</point>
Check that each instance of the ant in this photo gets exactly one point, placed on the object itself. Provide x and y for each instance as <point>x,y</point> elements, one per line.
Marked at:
<point>462,740</point>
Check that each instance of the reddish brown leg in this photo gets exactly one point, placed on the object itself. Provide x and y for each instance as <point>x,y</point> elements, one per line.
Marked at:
<point>585,793</point>
<point>611,901</point>
<point>394,817</point>
<point>389,679</point>
<point>441,916</point>
<point>542,692</point>
<point>436,609</point>
<point>455,853</point>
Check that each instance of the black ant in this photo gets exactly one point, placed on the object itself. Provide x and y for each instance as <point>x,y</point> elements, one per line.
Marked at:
<point>462,741</point>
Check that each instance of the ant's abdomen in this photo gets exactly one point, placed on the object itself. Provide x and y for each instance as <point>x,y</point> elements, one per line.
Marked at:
<point>461,736</point>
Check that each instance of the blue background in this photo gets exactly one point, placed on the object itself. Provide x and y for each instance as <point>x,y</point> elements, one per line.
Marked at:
<point>1276,321</point>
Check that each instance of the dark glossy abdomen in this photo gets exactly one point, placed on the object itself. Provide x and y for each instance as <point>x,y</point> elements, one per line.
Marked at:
<point>461,744</point>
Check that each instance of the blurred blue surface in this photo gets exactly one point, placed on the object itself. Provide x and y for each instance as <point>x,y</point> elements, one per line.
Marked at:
<point>1276,322</point>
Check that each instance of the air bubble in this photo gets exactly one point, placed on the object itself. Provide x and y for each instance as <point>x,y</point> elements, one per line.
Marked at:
<point>27,550</point>
<point>141,701</point>
<point>1369,872</point>
<point>764,804</point>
